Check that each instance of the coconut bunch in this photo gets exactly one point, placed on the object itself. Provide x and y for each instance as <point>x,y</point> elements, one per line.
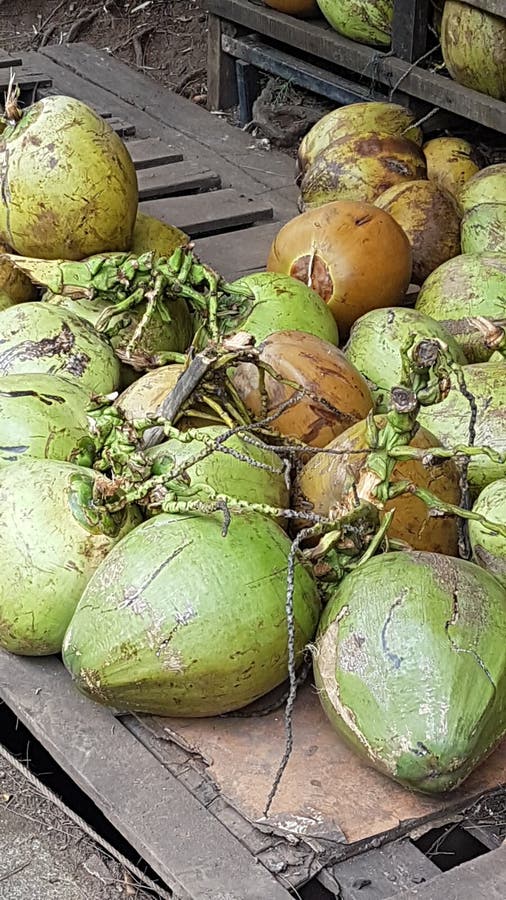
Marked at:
<point>189,468</point>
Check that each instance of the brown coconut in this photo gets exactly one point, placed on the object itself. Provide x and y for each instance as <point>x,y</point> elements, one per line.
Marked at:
<point>338,394</point>
<point>360,168</point>
<point>326,480</point>
<point>354,255</point>
<point>430,218</point>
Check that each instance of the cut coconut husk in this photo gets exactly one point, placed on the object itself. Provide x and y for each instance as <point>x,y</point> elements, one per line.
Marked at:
<point>37,338</point>
<point>151,234</point>
<point>6,301</point>
<point>487,186</point>
<point>474,48</point>
<point>52,538</point>
<point>339,250</point>
<point>328,478</point>
<point>410,666</point>
<point>451,420</point>
<point>429,216</point>
<point>451,162</point>
<point>365,21</point>
<point>353,120</point>
<point>489,545</point>
<point>376,341</point>
<point>336,393</point>
<point>360,168</point>
<point>483,229</point>
<point>204,629</point>
<point>69,185</point>
<point>464,287</point>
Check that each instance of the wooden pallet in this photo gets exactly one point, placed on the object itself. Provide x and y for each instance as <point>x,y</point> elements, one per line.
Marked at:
<point>188,794</point>
<point>314,56</point>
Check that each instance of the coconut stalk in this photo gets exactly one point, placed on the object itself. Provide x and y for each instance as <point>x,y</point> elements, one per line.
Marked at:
<point>126,280</point>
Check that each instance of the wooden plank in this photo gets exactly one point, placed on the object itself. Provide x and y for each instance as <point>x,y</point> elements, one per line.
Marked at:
<point>241,253</point>
<point>242,162</point>
<point>176,178</point>
<point>152,152</point>
<point>9,62</point>
<point>409,28</point>
<point>202,214</point>
<point>221,77</point>
<point>124,129</point>
<point>172,831</point>
<point>25,77</point>
<point>322,42</point>
<point>394,867</point>
<point>483,878</point>
<point>297,71</point>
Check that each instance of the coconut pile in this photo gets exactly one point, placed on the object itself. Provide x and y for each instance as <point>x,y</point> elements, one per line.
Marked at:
<point>204,484</point>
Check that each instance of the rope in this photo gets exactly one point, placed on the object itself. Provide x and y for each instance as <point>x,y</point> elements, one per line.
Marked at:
<point>142,879</point>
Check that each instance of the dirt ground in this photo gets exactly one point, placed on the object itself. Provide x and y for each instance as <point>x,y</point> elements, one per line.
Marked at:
<point>165,39</point>
<point>45,856</point>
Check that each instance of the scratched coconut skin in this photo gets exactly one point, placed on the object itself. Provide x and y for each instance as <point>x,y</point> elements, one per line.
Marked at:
<point>410,665</point>
<point>44,416</point>
<point>69,187</point>
<point>35,338</point>
<point>181,621</point>
<point>449,420</point>
<point>489,547</point>
<point>51,541</point>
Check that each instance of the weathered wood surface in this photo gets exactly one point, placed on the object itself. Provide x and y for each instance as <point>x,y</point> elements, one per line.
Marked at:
<point>152,152</point>
<point>318,39</point>
<point>496,7</point>
<point>324,777</point>
<point>188,847</point>
<point>409,28</point>
<point>27,78</point>
<point>175,178</point>
<point>202,214</point>
<point>480,879</point>
<point>240,252</point>
<point>221,80</point>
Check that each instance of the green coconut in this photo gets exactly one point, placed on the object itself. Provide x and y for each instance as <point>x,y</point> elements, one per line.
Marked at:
<point>474,48</point>
<point>487,186</point>
<point>283,303</point>
<point>260,478</point>
<point>449,420</point>
<point>37,339</point>
<point>196,622</point>
<point>52,538</point>
<point>375,344</point>
<point>467,285</point>
<point>356,118</point>
<point>365,21</point>
<point>69,185</point>
<point>483,229</point>
<point>410,666</point>
<point>489,546</point>
<point>44,416</point>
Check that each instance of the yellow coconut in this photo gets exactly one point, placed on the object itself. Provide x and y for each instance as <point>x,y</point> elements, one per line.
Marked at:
<point>151,234</point>
<point>356,119</point>
<point>429,217</point>
<point>360,168</point>
<point>474,48</point>
<point>487,186</point>
<point>451,161</point>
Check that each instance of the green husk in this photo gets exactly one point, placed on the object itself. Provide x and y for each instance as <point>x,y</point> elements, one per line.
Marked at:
<point>489,546</point>
<point>483,229</point>
<point>195,621</point>
<point>52,538</point>
<point>44,416</point>
<point>365,21</point>
<point>410,666</point>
